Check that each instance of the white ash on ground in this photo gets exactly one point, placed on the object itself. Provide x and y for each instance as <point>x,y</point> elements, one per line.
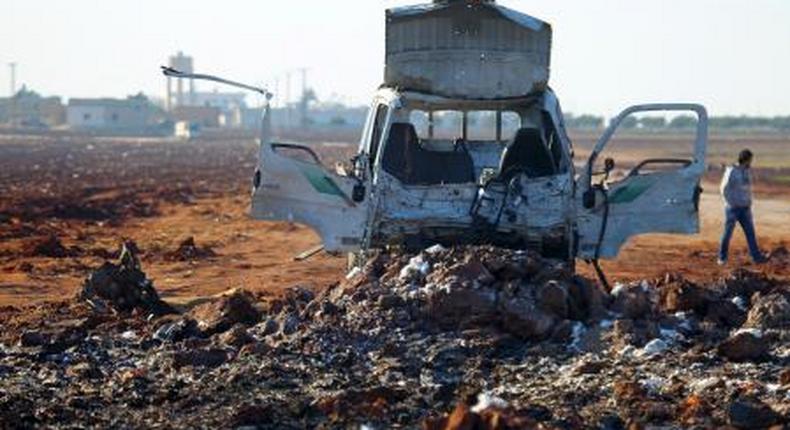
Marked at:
<point>472,337</point>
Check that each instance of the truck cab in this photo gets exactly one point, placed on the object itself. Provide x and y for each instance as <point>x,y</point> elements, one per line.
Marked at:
<point>465,143</point>
<point>454,171</point>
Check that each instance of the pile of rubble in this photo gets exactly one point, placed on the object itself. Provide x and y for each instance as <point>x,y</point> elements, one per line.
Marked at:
<point>460,338</point>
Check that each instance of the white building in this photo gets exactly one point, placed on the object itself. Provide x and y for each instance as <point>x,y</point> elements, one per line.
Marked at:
<point>229,104</point>
<point>132,113</point>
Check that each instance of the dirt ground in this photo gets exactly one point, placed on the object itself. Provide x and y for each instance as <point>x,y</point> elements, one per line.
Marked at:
<point>67,202</point>
<point>459,337</point>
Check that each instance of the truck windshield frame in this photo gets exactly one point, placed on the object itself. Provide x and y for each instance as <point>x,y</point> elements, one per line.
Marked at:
<point>483,125</point>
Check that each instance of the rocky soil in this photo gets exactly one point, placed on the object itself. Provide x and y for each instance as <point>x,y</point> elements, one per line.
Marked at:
<point>458,338</point>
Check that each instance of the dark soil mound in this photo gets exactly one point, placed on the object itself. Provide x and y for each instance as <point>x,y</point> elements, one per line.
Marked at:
<point>189,251</point>
<point>123,286</point>
<point>50,247</point>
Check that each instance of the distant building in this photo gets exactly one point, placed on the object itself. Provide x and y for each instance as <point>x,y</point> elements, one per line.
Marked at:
<point>204,116</point>
<point>189,105</point>
<point>250,118</point>
<point>135,113</point>
<point>29,109</point>
<point>230,105</point>
<point>222,100</point>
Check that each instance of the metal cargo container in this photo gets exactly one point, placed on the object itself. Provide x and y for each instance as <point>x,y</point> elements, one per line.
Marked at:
<point>467,49</point>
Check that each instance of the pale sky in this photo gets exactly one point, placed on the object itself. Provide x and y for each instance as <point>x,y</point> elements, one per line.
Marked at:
<point>731,55</point>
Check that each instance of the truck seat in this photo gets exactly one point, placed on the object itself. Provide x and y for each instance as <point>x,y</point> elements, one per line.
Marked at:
<point>405,159</point>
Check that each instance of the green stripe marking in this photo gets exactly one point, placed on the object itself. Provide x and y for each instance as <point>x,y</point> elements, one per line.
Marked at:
<point>636,187</point>
<point>320,181</point>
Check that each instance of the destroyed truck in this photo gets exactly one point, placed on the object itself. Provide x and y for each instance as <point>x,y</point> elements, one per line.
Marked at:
<point>425,174</point>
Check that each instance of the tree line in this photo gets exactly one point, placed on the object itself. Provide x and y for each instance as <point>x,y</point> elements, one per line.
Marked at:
<point>682,122</point>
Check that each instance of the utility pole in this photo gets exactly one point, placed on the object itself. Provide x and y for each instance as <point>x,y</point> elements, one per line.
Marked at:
<point>169,97</point>
<point>303,71</point>
<point>12,66</point>
<point>288,97</point>
<point>277,92</point>
<point>303,100</point>
<point>12,99</point>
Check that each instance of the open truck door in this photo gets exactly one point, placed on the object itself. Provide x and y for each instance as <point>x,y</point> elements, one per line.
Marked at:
<point>291,184</point>
<point>644,200</point>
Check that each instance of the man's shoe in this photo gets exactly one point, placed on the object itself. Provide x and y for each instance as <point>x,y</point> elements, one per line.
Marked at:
<point>721,262</point>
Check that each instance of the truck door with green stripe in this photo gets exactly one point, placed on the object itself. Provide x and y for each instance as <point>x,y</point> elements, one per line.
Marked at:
<point>291,184</point>
<point>658,194</point>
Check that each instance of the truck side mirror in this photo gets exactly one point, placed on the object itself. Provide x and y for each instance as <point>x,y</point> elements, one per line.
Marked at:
<point>588,199</point>
<point>359,166</point>
<point>358,193</point>
<point>608,165</point>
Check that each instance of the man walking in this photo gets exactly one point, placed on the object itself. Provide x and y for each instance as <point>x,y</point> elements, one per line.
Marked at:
<point>736,189</point>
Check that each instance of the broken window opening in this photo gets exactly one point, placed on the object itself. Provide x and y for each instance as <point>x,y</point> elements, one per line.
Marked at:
<point>296,152</point>
<point>552,140</point>
<point>376,135</point>
<point>650,158</point>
